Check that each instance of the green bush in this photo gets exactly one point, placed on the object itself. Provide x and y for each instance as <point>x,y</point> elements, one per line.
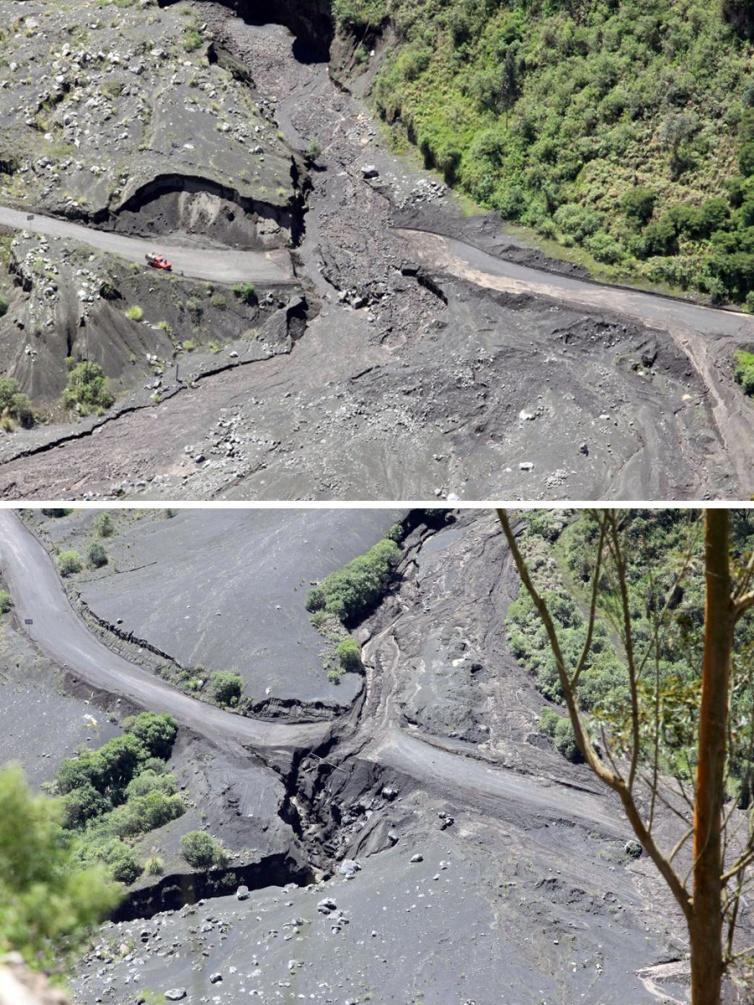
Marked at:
<point>69,562</point>
<point>202,851</point>
<point>192,40</point>
<point>245,292</point>
<point>14,405</point>
<point>638,204</point>
<point>82,804</point>
<point>103,525</point>
<point>143,813</point>
<point>120,858</point>
<point>349,654</point>
<point>88,390</point>
<point>3,306</point>
<point>6,602</point>
<point>49,903</point>
<point>604,248</point>
<point>154,866</point>
<point>226,687</point>
<point>96,555</point>
<point>156,731</point>
<point>134,313</point>
<point>353,591</point>
<point>744,370</point>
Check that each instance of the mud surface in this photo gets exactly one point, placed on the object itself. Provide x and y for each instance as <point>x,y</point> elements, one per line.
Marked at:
<point>430,367</point>
<point>428,845</point>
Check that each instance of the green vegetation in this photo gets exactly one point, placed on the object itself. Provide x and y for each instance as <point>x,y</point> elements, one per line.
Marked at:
<point>192,39</point>
<point>744,362</point>
<point>88,390</point>
<point>49,902</point>
<point>625,130</point>
<point>202,851</point>
<point>658,545</point>
<point>226,687</point>
<point>349,654</point>
<point>134,313</point>
<point>353,591</point>
<point>120,791</point>
<point>96,555</point>
<point>103,525</point>
<point>15,407</point>
<point>69,562</point>
<point>245,292</point>
<point>560,731</point>
<point>3,306</point>
<point>5,602</point>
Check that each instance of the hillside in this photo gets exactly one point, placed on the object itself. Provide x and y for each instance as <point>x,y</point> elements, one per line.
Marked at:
<point>623,130</point>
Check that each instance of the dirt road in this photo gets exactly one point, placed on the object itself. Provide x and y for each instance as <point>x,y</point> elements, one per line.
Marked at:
<point>40,604</point>
<point>210,264</point>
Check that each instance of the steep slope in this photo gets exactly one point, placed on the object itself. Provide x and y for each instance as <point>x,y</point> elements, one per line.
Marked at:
<point>622,129</point>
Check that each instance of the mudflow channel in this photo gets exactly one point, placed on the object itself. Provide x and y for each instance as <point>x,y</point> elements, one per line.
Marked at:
<point>442,357</point>
<point>433,851</point>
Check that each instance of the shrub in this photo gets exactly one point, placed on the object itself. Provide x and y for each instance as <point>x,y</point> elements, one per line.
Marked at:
<point>226,687</point>
<point>103,525</point>
<point>148,780</point>
<point>134,313</point>
<point>143,813</point>
<point>351,592</point>
<point>69,562</point>
<point>744,370</point>
<point>87,390</point>
<point>96,555</point>
<point>3,306</point>
<point>121,860</point>
<point>349,654</point>
<point>82,804</point>
<point>604,248</point>
<point>577,221</point>
<point>13,404</point>
<point>154,866</point>
<point>192,40</point>
<point>638,204</point>
<point>157,732</point>
<point>49,903</point>
<point>108,769</point>
<point>245,292</point>
<point>218,300</point>
<point>313,150</point>
<point>202,851</point>
<point>560,731</point>
<point>5,602</point>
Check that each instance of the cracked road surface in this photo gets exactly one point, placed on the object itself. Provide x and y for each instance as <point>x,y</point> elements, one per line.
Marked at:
<point>210,264</point>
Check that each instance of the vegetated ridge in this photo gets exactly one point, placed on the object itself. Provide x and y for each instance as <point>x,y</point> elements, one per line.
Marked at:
<point>624,130</point>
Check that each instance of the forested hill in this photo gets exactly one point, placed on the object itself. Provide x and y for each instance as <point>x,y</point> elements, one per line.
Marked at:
<point>621,127</point>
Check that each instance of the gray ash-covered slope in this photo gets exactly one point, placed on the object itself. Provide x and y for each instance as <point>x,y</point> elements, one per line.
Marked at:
<point>227,590</point>
<point>108,105</point>
<point>468,865</point>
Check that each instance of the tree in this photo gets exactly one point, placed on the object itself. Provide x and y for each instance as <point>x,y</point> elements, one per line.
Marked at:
<point>201,850</point>
<point>49,903</point>
<point>96,555</point>
<point>226,687</point>
<point>629,761</point>
<point>87,390</point>
<point>70,562</point>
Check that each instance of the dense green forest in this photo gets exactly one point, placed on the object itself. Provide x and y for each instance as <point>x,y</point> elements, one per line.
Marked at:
<point>621,128</point>
<point>664,551</point>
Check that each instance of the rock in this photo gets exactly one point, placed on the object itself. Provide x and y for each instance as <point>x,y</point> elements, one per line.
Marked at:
<point>348,868</point>
<point>525,466</point>
<point>633,849</point>
<point>175,994</point>
<point>242,893</point>
<point>584,449</point>
<point>215,978</point>
<point>327,906</point>
<point>370,171</point>
<point>417,858</point>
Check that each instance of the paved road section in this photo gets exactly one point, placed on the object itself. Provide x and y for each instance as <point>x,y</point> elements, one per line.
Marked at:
<point>210,264</point>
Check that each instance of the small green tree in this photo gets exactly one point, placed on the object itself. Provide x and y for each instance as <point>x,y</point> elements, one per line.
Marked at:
<point>88,390</point>
<point>69,562</point>
<point>49,903</point>
<point>14,405</point>
<point>5,602</point>
<point>155,730</point>
<point>202,851</point>
<point>349,654</point>
<point>103,525</point>
<point>226,687</point>
<point>96,555</point>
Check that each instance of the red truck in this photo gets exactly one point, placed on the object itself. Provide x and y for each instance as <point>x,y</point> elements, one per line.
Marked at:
<point>159,262</point>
